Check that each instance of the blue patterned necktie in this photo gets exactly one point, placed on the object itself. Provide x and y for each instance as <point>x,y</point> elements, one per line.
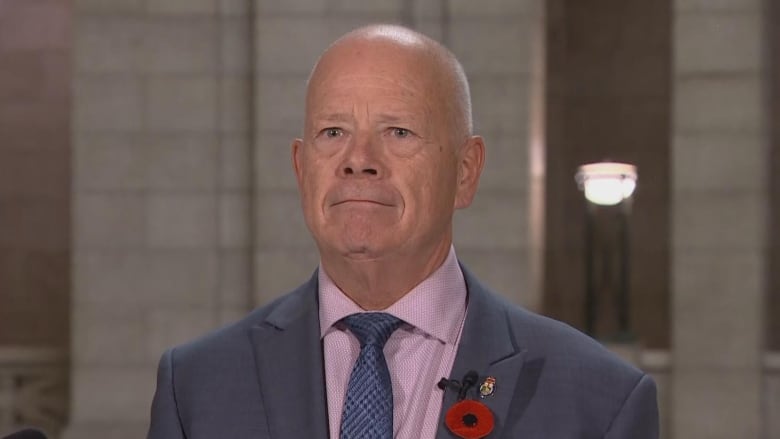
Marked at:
<point>368,407</point>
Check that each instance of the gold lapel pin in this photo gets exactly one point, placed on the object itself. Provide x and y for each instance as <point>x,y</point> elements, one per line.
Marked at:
<point>488,387</point>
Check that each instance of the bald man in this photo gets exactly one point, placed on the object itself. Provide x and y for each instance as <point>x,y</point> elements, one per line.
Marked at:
<point>386,157</point>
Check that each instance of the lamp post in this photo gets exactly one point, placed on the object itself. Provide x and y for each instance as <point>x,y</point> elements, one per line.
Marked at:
<point>607,184</point>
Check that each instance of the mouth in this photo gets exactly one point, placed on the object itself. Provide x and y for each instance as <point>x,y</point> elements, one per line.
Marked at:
<point>361,201</point>
<point>362,196</point>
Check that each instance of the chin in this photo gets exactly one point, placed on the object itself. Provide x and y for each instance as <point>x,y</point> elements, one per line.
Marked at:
<point>360,249</point>
<point>358,243</point>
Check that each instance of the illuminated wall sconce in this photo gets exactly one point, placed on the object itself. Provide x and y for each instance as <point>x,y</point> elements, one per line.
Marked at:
<point>607,184</point>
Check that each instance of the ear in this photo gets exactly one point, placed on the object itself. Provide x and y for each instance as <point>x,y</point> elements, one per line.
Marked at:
<point>470,162</point>
<point>297,160</point>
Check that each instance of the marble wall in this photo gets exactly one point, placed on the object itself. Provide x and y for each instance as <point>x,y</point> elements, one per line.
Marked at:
<point>161,137</point>
<point>719,211</point>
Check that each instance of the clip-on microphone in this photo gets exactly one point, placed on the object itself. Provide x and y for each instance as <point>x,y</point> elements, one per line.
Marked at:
<point>463,386</point>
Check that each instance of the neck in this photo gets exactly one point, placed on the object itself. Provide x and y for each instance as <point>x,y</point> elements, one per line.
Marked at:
<point>376,284</point>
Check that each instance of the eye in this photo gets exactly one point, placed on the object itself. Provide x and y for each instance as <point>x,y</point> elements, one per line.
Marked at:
<point>332,132</point>
<point>400,132</point>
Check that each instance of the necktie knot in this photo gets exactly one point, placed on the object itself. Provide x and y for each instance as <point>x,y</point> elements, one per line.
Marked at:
<point>372,328</point>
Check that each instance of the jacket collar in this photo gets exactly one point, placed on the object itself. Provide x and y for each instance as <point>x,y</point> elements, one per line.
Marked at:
<point>488,347</point>
<point>288,354</point>
<point>288,357</point>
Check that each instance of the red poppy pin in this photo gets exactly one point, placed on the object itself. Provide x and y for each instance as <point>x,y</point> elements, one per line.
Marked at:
<point>469,419</point>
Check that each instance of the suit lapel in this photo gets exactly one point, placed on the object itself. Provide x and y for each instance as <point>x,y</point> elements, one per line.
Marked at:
<point>487,347</point>
<point>288,355</point>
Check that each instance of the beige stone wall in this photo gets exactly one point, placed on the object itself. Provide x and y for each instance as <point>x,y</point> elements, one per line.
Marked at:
<point>160,193</point>
<point>495,42</point>
<point>719,193</point>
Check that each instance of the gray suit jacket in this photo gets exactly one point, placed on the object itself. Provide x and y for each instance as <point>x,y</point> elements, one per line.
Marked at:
<point>262,377</point>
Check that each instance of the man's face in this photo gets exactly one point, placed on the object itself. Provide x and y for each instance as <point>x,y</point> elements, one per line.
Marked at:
<point>378,167</point>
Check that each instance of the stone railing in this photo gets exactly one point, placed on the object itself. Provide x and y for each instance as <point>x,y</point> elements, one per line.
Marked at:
<point>33,389</point>
<point>772,395</point>
<point>658,363</point>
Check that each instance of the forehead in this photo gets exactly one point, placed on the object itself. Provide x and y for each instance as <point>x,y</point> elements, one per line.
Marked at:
<point>373,100</point>
<point>373,89</point>
<point>375,68</point>
<point>369,52</point>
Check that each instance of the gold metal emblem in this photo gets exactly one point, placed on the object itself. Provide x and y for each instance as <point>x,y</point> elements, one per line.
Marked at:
<point>488,387</point>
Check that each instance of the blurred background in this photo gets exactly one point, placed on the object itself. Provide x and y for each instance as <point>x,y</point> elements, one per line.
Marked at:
<point>146,194</point>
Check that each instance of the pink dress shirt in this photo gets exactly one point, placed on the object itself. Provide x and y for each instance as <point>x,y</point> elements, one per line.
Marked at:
<point>418,354</point>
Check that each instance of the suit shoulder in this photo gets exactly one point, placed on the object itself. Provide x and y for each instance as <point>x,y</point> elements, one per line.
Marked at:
<point>576,377</point>
<point>235,336</point>
<point>577,367</point>
<point>564,347</point>
<point>559,340</point>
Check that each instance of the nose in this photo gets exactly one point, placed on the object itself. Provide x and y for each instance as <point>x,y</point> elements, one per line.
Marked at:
<point>361,159</point>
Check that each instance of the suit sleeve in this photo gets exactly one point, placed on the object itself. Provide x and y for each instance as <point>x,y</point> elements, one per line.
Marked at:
<point>638,418</point>
<point>165,423</point>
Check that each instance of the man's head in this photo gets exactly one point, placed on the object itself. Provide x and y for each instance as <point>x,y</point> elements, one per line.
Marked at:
<point>387,152</point>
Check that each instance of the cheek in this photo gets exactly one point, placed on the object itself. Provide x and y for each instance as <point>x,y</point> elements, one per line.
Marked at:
<point>313,194</point>
<point>310,189</point>
<point>427,192</point>
<point>442,190</point>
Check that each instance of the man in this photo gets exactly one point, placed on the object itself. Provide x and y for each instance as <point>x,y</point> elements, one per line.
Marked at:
<point>386,157</point>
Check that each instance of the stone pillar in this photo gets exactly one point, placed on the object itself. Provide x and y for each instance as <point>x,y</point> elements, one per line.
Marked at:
<point>160,193</point>
<point>494,41</point>
<point>35,52</point>
<point>288,38</point>
<point>719,195</point>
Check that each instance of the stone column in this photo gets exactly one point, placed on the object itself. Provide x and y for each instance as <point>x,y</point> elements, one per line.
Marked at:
<point>160,193</point>
<point>719,195</point>
<point>494,41</point>
<point>35,52</point>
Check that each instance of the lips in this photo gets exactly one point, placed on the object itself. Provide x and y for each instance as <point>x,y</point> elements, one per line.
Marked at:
<point>379,196</point>
<point>339,203</point>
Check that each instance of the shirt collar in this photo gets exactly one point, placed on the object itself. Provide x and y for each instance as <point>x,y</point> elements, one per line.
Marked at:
<point>435,306</point>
